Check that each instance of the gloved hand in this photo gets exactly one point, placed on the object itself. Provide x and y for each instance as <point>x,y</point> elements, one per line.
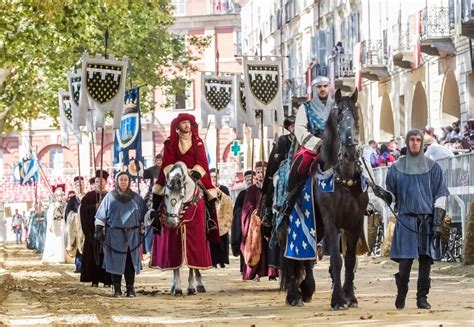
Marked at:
<point>438,218</point>
<point>195,175</point>
<point>157,199</point>
<point>99,234</point>
<point>155,222</point>
<point>383,194</point>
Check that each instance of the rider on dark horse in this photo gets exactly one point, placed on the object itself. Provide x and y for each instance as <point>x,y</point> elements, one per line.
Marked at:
<point>309,126</point>
<point>184,144</point>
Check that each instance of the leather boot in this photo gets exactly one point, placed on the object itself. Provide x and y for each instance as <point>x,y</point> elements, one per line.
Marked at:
<point>131,291</point>
<point>423,288</point>
<point>402,290</point>
<point>117,290</point>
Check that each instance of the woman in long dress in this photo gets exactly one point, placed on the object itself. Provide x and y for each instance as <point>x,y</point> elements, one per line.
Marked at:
<point>54,247</point>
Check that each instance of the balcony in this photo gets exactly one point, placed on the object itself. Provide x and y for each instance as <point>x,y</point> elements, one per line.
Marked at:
<point>374,61</point>
<point>467,18</point>
<point>344,76</point>
<point>436,31</point>
<point>402,44</point>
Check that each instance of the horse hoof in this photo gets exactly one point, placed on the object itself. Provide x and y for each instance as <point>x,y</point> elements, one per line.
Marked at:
<point>307,299</point>
<point>176,292</point>
<point>191,291</point>
<point>201,289</point>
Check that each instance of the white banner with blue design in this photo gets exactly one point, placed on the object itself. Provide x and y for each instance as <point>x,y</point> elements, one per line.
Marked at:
<point>129,137</point>
<point>301,236</point>
<point>65,114</point>
<point>26,171</point>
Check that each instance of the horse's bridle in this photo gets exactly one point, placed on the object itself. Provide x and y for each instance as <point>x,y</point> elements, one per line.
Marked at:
<point>344,181</point>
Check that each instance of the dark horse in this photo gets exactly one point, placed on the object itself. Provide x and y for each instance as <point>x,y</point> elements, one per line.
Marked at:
<point>342,209</point>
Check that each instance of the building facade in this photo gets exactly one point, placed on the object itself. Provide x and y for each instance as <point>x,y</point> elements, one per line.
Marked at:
<point>411,60</point>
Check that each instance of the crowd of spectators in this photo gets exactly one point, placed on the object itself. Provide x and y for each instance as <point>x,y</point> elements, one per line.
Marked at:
<point>453,141</point>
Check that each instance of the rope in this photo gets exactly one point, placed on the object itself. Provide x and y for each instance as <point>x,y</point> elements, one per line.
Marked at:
<point>372,184</point>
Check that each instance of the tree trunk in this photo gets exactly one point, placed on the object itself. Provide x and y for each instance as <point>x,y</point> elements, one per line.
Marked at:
<point>469,237</point>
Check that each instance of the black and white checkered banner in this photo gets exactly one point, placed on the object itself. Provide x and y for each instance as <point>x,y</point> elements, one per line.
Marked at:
<point>65,114</point>
<point>103,88</point>
<point>242,114</point>
<point>217,97</point>
<point>262,80</point>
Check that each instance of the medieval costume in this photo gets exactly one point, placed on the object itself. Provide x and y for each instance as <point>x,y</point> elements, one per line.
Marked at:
<point>152,174</point>
<point>74,236</point>
<point>188,243</point>
<point>188,148</point>
<point>309,126</point>
<point>121,215</point>
<point>415,183</point>
<point>236,227</point>
<point>91,270</point>
<point>37,229</point>
<point>54,251</point>
<point>279,163</point>
<point>220,251</point>
<point>253,245</point>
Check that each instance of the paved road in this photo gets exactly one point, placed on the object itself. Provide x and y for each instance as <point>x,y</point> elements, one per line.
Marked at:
<point>32,293</point>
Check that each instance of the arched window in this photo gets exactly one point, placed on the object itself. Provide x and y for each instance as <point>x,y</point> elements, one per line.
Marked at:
<point>56,159</point>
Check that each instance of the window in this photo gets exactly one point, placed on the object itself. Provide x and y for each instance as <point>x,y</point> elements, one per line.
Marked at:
<point>322,47</point>
<point>185,101</point>
<point>56,161</point>
<point>180,7</point>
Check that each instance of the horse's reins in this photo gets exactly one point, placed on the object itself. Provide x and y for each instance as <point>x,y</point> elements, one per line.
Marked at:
<point>373,184</point>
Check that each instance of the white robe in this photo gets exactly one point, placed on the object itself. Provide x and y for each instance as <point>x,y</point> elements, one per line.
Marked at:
<point>54,246</point>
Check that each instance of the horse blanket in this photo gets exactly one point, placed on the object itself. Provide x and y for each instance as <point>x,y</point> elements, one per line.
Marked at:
<point>186,243</point>
<point>301,236</point>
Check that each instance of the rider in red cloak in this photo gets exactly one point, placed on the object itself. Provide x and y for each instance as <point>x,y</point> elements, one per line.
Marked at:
<point>185,145</point>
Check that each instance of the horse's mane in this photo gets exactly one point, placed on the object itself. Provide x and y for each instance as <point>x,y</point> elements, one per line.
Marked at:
<point>175,177</point>
<point>330,140</point>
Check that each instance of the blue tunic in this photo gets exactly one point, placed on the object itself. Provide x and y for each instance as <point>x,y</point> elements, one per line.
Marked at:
<point>415,195</point>
<point>122,231</point>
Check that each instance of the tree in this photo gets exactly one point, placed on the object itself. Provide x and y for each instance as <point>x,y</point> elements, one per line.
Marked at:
<point>41,40</point>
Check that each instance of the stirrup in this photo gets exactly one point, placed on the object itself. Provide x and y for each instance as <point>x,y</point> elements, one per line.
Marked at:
<point>210,225</point>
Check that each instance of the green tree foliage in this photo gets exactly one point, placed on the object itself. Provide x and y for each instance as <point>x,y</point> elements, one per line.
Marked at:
<point>41,39</point>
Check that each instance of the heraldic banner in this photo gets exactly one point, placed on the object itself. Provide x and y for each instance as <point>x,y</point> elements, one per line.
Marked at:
<point>74,84</point>
<point>217,97</point>
<point>26,171</point>
<point>65,113</point>
<point>103,88</point>
<point>263,84</point>
<point>241,114</point>
<point>129,136</point>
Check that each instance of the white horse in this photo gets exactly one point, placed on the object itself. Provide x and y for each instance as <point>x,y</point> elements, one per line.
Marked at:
<point>185,216</point>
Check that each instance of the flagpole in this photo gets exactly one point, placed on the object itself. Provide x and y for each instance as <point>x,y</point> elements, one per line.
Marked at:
<point>217,129</point>
<point>79,166</point>
<point>103,128</point>
<point>93,151</point>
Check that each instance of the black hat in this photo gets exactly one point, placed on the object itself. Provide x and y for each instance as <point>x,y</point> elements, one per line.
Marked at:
<point>289,120</point>
<point>92,180</point>
<point>78,178</point>
<point>214,170</point>
<point>249,173</point>
<point>260,164</point>
<point>105,174</point>
<point>159,156</point>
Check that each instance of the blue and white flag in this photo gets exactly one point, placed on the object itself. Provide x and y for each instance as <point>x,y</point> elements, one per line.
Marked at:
<point>301,236</point>
<point>26,171</point>
<point>128,136</point>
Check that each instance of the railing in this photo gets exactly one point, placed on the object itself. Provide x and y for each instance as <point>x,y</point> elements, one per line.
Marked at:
<point>436,21</point>
<point>402,35</point>
<point>373,53</point>
<point>342,65</point>
<point>318,70</point>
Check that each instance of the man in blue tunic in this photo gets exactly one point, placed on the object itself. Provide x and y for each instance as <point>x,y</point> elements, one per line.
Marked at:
<point>415,183</point>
